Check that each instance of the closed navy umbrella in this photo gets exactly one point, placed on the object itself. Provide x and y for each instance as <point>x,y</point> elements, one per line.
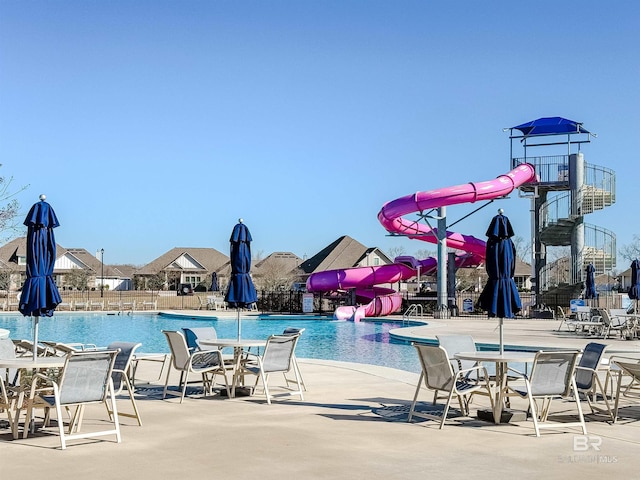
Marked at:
<point>40,295</point>
<point>634,291</point>
<point>241,293</point>
<point>590,292</point>
<point>500,297</point>
<point>214,283</point>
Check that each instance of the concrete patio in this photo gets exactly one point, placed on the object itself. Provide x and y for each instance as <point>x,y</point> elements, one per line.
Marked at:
<point>351,425</point>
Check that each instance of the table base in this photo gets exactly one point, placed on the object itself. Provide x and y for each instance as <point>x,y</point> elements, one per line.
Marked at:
<point>241,391</point>
<point>507,415</point>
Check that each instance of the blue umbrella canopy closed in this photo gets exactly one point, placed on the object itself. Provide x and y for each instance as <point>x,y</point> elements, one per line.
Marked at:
<point>590,291</point>
<point>634,291</point>
<point>241,292</point>
<point>500,297</point>
<point>214,282</point>
<point>40,295</point>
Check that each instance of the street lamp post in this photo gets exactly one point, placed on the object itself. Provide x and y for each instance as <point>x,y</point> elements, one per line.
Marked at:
<point>102,273</point>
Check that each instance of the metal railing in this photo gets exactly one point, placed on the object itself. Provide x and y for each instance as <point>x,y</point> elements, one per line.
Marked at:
<point>413,310</point>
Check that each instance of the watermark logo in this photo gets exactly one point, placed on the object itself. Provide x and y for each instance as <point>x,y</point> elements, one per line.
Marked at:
<point>587,449</point>
<point>584,443</point>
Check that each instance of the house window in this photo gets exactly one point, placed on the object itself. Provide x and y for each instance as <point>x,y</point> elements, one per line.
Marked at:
<point>193,280</point>
<point>376,261</point>
<point>22,260</point>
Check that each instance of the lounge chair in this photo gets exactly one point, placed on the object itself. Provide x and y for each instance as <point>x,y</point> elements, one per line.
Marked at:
<point>120,375</point>
<point>24,348</point>
<point>438,374</point>
<point>202,362</point>
<point>61,349</point>
<point>587,380</point>
<point>552,376</point>
<point>85,379</point>
<point>277,358</point>
<point>95,305</point>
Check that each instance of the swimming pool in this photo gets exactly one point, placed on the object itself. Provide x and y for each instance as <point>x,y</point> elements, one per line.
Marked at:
<point>325,339</point>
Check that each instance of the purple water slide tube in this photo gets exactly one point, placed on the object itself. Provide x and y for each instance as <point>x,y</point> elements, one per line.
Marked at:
<point>363,279</point>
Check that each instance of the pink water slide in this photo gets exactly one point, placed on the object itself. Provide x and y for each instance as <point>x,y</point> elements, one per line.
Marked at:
<point>366,280</point>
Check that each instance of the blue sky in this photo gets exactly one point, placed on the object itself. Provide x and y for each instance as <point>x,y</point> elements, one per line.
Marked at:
<point>157,124</point>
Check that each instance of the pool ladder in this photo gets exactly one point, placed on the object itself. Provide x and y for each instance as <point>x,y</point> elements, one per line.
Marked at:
<point>413,311</point>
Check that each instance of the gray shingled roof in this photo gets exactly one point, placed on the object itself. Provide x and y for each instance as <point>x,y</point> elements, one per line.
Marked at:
<point>290,262</point>
<point>210,259</point>
<point>345,252</point>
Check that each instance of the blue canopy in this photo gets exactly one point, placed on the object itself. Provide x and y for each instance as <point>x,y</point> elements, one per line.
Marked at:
<point>500,297</point>
<point>590,291</point>
<point>40,295</point>
<point>550,126</point>
<point>241,292</point>
<point>634,291</point>
<point>214,282</point>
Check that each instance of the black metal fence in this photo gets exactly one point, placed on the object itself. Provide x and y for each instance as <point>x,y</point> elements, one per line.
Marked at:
<point>291,301</point>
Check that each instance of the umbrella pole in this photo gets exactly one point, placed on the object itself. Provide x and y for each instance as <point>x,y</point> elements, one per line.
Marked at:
<point>239,326</point>
<point>35,336</point>
<point>501,336</point>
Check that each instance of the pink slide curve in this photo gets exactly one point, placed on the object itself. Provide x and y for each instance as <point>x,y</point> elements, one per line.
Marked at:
<point>383,301</point>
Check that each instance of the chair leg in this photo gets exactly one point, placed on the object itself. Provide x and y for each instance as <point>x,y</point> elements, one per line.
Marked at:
<point>265,380</point>
<point>446,408</point>
<point>415,397</point>
<point>166,382</point>
<point>574,386</point>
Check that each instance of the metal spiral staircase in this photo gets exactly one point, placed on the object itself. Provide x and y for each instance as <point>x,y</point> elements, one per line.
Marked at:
<point>568,190</point>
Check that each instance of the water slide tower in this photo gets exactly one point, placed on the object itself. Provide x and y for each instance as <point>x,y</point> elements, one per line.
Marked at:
<point>569,189</point>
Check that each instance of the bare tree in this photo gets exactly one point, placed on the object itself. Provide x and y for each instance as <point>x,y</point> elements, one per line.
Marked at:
<point>523,249</point>
<point>274,275</point>
<point>631,251</point>
<point>396,251</point>
<point>78,279</point>
<point>156,282</point>
<point>9,226</point>
<point>423,253</point>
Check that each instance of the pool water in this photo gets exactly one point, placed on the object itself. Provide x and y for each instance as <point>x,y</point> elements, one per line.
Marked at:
<point>361,342</point>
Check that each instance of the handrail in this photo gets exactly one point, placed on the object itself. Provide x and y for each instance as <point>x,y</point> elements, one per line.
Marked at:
<point>412,310</point>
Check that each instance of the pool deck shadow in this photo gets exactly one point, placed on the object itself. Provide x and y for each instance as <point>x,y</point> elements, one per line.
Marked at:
<point>350,425</point>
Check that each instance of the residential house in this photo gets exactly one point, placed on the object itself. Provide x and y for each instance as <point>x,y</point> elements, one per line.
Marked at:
<point>182,265</point>
<point>74,269</point>
<point>343,253</point>
<point>277,271</point>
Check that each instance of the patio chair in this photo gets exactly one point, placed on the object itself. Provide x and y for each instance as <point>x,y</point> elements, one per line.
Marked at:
<point>193,334</point>
<point>121,376</point>
<point>8,379</point>
<point>552,376</point>
<point>564,320</point>
<point>587,380</point>
<point>629,367</point>
<point>202,362</point>
<point>438,374</point>
<point>615,324</point>
<point>455,344</point>
<point>277,358</point>
<point>295,331</point>
<point>85,379</point>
